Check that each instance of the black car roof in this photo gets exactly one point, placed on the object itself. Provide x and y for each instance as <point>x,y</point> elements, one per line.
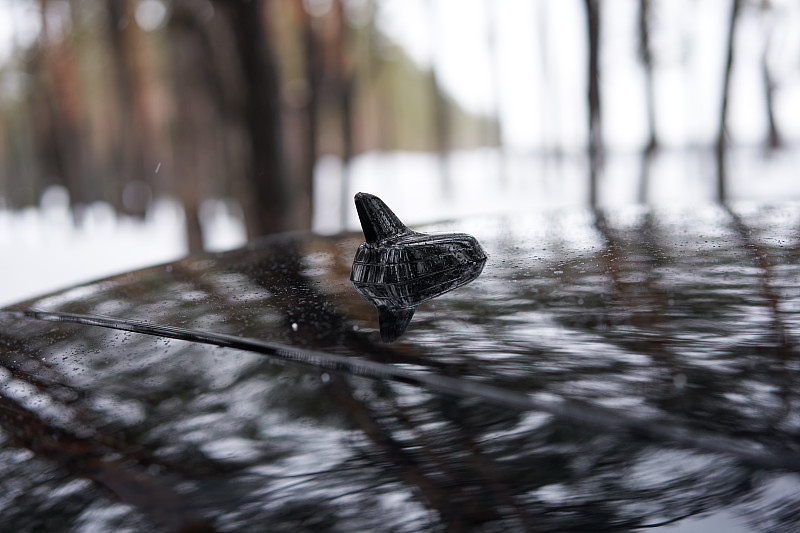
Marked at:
<point>593,353</point>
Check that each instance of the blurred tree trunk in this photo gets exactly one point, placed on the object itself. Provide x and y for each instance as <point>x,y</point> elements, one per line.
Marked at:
<point>295,51</point>
<point>196,121</point>
<point>646,56</point>
<point>304,189</point>
<point>549,99</point>
<point>595,134</point>
<point>774,139</point>
<point>228,125</point>
<point>60,110</point>
<point>441,106</point>
<point>22,165</point>
<point>376,67</point>
<point>495,120</point>
<point>267,208</point>
<point>339,85</point>
<point>135,130</point>
<point>442,130</point>
<point>721,144</point>
<point>126,147</point>
<point>5,164</point>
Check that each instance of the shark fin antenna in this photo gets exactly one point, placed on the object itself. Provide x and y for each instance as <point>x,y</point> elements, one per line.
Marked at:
<point>377,221</point>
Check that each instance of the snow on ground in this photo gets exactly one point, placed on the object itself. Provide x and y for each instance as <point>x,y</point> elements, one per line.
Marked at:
<point>43,250</point>
<point>46,249</point>
<point>487,181</point>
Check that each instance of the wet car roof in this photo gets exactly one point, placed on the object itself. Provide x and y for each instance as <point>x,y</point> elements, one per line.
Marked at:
<point>606,371</point>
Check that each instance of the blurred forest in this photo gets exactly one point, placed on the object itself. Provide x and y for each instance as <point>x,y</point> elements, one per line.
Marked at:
<point>123,101</point>
<point>126,99</point>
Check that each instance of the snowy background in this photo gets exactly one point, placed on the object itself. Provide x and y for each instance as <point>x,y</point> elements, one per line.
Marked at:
<point>43,249</point>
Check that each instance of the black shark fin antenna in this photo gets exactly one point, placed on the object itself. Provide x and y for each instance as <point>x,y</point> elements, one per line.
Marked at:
<point>377,221</point>
<point>394,321</point>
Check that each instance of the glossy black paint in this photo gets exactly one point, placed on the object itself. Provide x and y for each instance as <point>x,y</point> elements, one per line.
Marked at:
<point>606,372</point>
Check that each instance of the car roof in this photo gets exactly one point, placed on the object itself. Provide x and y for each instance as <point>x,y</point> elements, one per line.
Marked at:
<point>620,368</point>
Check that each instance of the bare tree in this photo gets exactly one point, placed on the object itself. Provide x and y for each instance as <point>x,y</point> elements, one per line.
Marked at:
<point>135,129</point>
<point>267,209</point>
<point>313,74</point>
<point>595,133</point>
<point>646,56</point>
<point>342,79</point>
<point>441,106</point>
<point>59,109</point>
<point>774,139</point>
<point>721,143</point>
<point>495,121</point>
<point>773,136</point>
<point>194,128</point>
